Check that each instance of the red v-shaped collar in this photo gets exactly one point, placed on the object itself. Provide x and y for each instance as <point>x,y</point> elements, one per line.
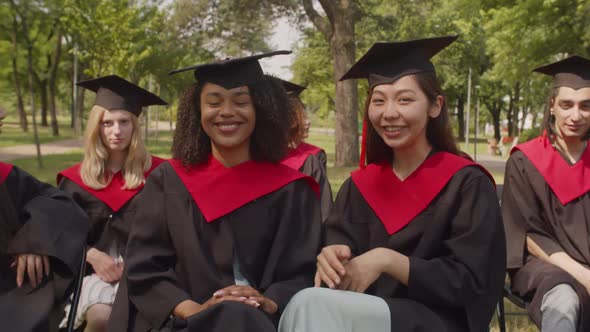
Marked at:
<point>396,203</point>
<point>218,190</point>
<point>567,182</point>
<point>4,171</point>
<point>113,196</point>
<point>296,157</point>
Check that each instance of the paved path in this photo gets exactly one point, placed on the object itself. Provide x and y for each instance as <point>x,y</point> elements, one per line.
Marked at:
<point>57,147</point>
<point>29,150</point>
<point>492,163</point>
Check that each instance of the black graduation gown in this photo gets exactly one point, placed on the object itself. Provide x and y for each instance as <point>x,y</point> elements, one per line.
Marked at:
<point>316,168</point>
<point>47,223</point>
<point>107,226</point>
<point>456,249</point>
<point>108,209</point>
<point>174,255</point>
<point>530,208</point>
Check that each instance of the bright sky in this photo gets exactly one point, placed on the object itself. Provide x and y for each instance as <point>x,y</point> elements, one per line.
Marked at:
<point>285,37</point>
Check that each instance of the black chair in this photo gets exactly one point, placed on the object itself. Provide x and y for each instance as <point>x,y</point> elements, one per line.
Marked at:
<point>507,292</point>
<point>76,292</point>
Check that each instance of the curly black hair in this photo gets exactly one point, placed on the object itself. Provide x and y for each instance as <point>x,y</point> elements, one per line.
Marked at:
<point>269,140</point>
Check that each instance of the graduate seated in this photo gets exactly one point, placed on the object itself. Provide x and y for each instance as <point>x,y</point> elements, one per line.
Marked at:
<point>304,157</point>
<point>546,206</point>
<point>414,241</point>
<point>115,166</point>
<point>42,234</point>
<point>223,235</point>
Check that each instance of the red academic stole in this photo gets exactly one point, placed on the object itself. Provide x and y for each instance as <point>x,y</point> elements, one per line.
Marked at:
<point>113,196</point>
<point>567,182</point>
<point>296,157</point>
<point>396,203</point>
<point>4,171</point>
<point>218,190</point>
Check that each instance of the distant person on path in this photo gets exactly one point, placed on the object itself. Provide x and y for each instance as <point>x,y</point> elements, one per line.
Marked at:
<point>115,166</point>
<point>546,206</point>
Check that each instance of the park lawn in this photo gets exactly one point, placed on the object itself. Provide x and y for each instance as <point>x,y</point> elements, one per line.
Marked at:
<point>161,145</point>
<point>52,164</point>
<point>12,134</point>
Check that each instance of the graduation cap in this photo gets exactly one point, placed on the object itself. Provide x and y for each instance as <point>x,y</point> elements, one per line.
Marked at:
<point>116,93</point>
<point>386,62</point>
<point>231,72</point>
<point>572,72</point>
<point>292,88</point>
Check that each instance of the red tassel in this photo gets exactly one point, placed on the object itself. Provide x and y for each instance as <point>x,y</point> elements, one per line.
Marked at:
<point>362,162</point>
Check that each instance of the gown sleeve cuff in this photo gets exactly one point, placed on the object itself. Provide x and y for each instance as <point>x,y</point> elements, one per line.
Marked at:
<point>549,246</point>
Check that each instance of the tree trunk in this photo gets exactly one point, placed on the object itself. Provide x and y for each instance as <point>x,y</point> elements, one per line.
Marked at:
<point>495,109</point>
<point>516,103</point>
<point>525,112</point>
<point>24,123</point>
<point>44,101</point>
<point>79,112</point>
<point>509,116</point>
<point>461,116</point>
<point>346,103</point>
<point>53,84</point>
<point>496,122</point>
<point>338,29</point>
<point>535,118</point>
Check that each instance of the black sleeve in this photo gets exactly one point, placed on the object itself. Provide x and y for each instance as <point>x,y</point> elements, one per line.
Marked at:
<point>314,168</point>
<point>476,259</point>
<point>522,213</point>
<point>295,245</point>
<point>153,286</point>
<point>323,159</point>
<point>346,222</point>
<point>52,224</point>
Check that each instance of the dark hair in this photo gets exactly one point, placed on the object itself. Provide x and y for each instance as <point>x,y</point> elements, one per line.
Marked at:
<point>297,119</point>
<point>549,118</point>
<point>269,141</point>
<point>438,130</point>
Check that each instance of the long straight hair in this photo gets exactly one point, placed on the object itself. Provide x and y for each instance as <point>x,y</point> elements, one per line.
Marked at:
<point>439,132</point>
<point>94,170</point>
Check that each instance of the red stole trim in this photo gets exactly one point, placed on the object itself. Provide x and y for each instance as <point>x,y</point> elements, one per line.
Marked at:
<point>396,203</point>
<point>113,196</point>
<point>218,190</point>
<point>297,157</point>
<point>567,182</point>
<point>4,171</point>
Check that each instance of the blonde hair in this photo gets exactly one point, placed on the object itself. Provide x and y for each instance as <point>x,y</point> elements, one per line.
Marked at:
<point>94,171</point>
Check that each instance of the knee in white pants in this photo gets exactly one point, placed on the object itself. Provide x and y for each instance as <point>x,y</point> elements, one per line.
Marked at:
<point>560,305</point>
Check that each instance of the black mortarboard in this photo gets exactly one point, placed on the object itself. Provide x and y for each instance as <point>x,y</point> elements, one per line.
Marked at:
<point>292,88</point>
<point>116,93</point>
<point>386,62</point>
<point>573,72</point>
<point>231,73</point>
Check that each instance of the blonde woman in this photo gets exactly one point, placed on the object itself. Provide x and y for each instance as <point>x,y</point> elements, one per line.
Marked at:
<point>115,166</point>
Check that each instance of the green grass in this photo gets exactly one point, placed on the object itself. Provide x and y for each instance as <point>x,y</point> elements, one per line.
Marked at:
<point>56,163</point>
<point>12,134</point>
<point>52,165</point>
